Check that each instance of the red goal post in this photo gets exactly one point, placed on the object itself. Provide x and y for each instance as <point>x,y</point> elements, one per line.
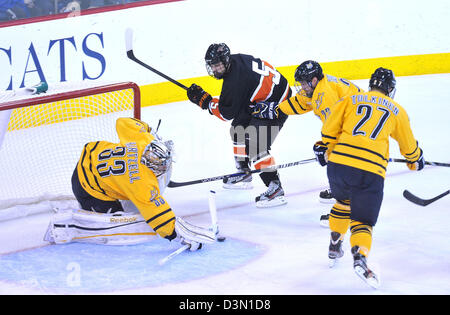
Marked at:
<point>43,138</point>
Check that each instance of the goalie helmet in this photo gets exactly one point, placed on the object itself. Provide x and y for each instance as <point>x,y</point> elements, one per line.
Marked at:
<point>218,60</point>
<point>305,72</point>
<point>384,80</point>
<point>157,156</point>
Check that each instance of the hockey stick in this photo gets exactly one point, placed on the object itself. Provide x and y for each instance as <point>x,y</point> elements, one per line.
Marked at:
<point>130,54</point>
<point>211,179</point>
<point>426,162</point>
<point>213,213</point>
<point>422,202</point>
<point>175,253</point>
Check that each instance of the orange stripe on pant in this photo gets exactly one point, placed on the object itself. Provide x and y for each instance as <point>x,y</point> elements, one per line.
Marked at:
<point>239,150</point>
<point>266,161</point>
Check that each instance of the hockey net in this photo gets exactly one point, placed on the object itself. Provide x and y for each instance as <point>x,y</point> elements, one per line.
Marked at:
<point>43,139</point>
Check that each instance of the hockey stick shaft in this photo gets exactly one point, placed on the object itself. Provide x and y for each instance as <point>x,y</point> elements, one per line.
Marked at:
<point>130,55</point>
<point>213,212</point>
<point>211,179</point>
<point>426,162</point>
<point>422,202</point>
<point>172,255</point>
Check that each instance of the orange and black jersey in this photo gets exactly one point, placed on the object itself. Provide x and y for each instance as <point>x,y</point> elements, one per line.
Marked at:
<point>113,171</point>
<point>250,80</point>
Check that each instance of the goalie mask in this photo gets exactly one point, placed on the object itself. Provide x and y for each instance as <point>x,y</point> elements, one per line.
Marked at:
<point>305,73</point>
<point>384,80</point>
<point>218,60</point>
<point>157,156</point>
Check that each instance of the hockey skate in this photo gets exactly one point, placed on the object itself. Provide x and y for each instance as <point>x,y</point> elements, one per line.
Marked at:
<point>324,220</point>
<point>361,269</point>
<point>58,234</point>
<point>335,249</point>
<point>326,197</point>
<point>58,230</point>
<point>238,182</point>
<point>274,196</point>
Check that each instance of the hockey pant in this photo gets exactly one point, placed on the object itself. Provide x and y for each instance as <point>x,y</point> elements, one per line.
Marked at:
<point>252,143</point>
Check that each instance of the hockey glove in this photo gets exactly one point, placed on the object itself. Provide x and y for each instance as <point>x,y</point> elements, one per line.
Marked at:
<point>196,95</point>
<point>417,165</point>
<point>265,110</point>
<point>320,150</point>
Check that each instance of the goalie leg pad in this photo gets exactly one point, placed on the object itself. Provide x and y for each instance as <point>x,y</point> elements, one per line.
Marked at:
<point>90,227</point>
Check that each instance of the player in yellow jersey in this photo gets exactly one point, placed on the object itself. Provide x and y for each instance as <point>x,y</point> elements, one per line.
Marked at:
<point>138,169</point>
<point>316,92</point>
<point>356,138</point>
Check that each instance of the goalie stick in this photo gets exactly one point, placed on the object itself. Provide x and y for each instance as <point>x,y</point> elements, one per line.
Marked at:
<point>172,255</point>
<point>211,179</point>
<point>214,228</point>
<point>422,202</point>
<point>213,214</point>
<point>130,55</point>
<point>426,162</point>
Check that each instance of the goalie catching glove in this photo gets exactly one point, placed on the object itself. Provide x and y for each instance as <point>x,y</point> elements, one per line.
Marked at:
<point>417,165</point>
<point>320,150</point>
<point>192,235</point>
<point>265,110</point>
<point>196,95</point>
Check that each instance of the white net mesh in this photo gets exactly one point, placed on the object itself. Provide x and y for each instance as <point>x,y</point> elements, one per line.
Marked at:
<point>43,144</point>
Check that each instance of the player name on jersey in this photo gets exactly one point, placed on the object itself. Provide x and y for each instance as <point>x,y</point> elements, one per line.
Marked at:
<point>359,98</point>
<point>132,161</point>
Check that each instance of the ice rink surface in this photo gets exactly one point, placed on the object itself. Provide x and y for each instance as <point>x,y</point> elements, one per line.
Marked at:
<point>274,251</point>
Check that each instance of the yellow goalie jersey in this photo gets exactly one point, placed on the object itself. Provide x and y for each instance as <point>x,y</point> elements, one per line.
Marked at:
<point>113,171</point>
<point>327,92</point>
<point>358,130</point>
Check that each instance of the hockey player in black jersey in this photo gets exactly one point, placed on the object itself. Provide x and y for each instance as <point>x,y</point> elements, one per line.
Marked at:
<point>246,81</point>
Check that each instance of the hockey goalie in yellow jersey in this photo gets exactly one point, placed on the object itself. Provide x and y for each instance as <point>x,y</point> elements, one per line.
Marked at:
<point>356,142</point>
<point>138,169</point>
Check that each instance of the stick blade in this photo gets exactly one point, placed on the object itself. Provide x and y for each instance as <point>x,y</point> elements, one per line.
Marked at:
<point>129,40</point>
<point>423,202</point>
<point>173,184</point>
<point>413,198</point>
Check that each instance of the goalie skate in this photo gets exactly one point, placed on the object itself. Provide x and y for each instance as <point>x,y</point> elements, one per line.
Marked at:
<point>238,182</point>
<point>59,233</point>
<point>274,196</point>
<point>361,269</point>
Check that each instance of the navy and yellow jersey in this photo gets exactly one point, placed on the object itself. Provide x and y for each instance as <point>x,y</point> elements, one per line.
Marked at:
<point>327,92</point>
<point>251,80</point>
<point>113,171</point>
<point>358,131</point>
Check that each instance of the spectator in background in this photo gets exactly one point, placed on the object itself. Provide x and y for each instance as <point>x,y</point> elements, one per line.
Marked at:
<point>45,7</point>
<point>21,9</point>
<point>73,5</point>
<point>13,10</point>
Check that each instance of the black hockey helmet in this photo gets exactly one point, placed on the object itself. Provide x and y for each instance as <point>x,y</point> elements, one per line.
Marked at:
<point>383,79</point>
<point>216,54</point>
<point>307,70</point>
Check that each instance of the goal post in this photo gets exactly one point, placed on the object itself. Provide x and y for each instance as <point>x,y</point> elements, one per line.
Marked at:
<point>44,137</point>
